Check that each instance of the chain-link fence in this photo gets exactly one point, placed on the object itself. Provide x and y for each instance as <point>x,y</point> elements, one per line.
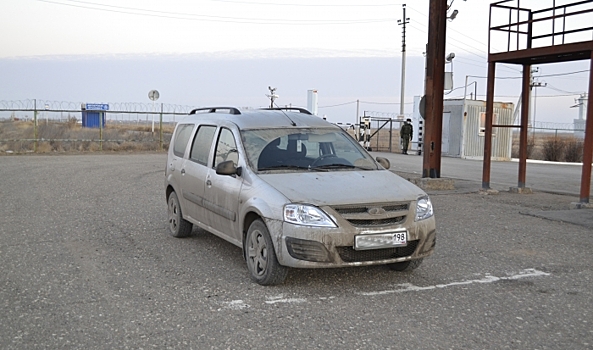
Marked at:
<point>42,126</point>
<point>553,141</point>
<point>39,126</point>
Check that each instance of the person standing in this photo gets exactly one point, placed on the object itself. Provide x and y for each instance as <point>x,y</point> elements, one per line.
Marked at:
<point>406,133</point>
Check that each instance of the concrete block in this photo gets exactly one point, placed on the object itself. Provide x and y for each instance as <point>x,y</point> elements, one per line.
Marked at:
<point>579,205</point>
<point>521,190</point>
<point>488,192</point>
<point>440,184</point>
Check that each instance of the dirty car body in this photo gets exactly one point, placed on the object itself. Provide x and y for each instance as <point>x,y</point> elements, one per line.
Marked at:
<point>292,190</point>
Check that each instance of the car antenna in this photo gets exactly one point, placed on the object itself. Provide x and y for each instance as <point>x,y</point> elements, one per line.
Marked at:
<point>286,115</point>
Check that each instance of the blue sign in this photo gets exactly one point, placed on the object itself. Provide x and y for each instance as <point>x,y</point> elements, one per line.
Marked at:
<point>97,107</point>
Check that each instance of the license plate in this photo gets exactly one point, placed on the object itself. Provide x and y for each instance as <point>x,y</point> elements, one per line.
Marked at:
<point>381,240</point>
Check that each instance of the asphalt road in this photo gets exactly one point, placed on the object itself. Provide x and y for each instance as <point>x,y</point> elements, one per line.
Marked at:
<point>555,177</point>
<point>86,263</point>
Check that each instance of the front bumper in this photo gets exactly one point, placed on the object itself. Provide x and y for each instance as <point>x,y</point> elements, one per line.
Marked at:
<point>317,247</point>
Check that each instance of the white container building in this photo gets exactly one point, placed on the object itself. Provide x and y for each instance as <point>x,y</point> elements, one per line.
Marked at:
<point>464,129</point>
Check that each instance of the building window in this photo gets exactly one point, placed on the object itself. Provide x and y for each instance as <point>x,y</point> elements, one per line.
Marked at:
<point>482,131</point>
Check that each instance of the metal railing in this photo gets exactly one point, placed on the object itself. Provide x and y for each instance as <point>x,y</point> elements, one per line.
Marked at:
<point>525,28</point>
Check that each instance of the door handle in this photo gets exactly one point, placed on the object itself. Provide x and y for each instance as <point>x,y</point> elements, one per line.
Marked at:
<point>208,183</point>
<point>182,171</point>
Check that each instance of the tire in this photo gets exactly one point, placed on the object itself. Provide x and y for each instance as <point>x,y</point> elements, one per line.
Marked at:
<point>178,226</point>
<point>261,258</point>
<point>406,265</point>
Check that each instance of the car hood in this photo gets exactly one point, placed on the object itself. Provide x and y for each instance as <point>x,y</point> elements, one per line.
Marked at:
<point>343,187</point>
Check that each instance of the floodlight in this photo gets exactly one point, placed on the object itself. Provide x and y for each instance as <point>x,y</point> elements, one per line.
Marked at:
<point>453,15</point>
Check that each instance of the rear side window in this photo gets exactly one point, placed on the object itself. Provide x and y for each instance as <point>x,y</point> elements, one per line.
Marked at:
<point>181,137</point>
<point>202,143</point>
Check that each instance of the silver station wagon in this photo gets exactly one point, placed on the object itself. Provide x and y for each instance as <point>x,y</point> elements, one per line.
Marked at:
<point>292,190</point>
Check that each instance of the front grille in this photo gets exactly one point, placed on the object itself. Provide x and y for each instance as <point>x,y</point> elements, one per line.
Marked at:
<point>348,254</point>
<point>398,207</point>
<point>378,222</point>
<point>363,209</point>
<point>374,215</point>
<point>348,210</point>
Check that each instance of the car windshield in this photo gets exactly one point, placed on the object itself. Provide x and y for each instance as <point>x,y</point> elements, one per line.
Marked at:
<point>294,149</point>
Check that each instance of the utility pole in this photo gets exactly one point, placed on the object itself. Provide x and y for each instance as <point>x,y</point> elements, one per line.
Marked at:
<point>534,84</point>
<point>403,22</point>
<point>434,86</point>
<point>531,79</point>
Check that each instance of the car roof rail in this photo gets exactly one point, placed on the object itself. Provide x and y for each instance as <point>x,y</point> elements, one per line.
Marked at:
<point>231,110</point>
<point>297,109</point>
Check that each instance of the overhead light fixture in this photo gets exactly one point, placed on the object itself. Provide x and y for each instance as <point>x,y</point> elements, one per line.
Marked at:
<point>453,15</point>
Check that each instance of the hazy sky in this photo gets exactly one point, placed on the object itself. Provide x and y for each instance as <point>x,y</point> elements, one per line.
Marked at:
<point>54,49</point>
<point>64,27</point>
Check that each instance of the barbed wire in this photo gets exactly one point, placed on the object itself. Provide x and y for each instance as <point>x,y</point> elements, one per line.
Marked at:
<point>149,108</point>
<point>383,115</point>
<point>557,126</point>
<point>114,107</point>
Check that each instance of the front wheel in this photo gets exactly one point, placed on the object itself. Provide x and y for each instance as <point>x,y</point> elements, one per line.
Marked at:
<point>261,258</point>
<point>406,265</point>
<point>178,226</point>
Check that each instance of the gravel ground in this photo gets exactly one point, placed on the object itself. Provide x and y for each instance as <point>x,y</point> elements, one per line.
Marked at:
<point>87,263</point>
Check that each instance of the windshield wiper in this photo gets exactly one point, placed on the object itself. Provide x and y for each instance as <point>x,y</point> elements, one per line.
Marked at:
<point>283,166</point>
<point>333,166</point>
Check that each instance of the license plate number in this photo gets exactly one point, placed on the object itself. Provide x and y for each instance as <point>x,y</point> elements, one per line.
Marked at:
<point>400,238</point>
<point>381,240</point>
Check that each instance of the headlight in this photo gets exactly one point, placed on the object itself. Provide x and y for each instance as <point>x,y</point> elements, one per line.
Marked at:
<point>306,215</point>
<point>423,208</point>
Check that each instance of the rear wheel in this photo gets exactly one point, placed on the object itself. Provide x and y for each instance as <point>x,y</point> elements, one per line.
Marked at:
<point>406,265</point>
<point>261,258</point>
<point>178,226</point>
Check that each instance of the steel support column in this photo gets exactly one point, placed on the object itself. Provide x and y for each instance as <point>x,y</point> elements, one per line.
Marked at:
<point>435,84</point>
<point>488,126</point>
<point>588,145</point>
<point>525,102</point>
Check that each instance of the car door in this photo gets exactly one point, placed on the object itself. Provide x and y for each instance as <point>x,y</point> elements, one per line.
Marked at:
<point>177,152</point>
<point>175,160</point>
<point>194,173</point>
<point>222,191</point>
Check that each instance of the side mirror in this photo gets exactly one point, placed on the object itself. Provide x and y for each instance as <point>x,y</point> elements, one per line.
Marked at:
<point>384,162</point>
<point>228,168</point>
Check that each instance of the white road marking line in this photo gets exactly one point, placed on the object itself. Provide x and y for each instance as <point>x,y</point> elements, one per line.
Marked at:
<point>281,299</point>
<point>236,305</point>
<point>408,287</point>
<point>287,300</point>
<point>400,288</point>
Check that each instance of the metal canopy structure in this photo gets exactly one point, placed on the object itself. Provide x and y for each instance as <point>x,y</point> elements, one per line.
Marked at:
<point>553,34</point>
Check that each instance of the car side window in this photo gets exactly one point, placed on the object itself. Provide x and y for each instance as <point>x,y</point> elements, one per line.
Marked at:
<point>202,143</point>
<point>226,148</point>
<point>181,137</point>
